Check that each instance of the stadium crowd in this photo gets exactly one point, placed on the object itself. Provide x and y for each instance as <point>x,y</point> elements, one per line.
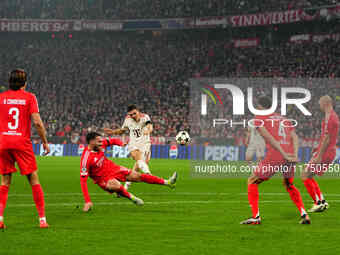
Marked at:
<point>141,9</point>
<point>80,86</point>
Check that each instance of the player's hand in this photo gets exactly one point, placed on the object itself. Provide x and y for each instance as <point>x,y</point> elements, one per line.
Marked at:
<point>46,149</point>
<point>293,158</point>
<point>87,207</point>
<point>290,157</point>
<point>108,131</point>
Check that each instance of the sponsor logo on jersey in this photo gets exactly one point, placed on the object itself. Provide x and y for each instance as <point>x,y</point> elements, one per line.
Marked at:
<point>16,101</point>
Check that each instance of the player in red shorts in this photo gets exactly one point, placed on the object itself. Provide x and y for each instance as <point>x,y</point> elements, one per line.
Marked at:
<point>323,156</point>
<point>282,150</point>
<point>17,108</point>
<point>107,174</point>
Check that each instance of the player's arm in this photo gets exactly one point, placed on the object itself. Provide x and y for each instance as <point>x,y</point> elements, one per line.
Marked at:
<point>148,128</point>
<point>83,183</point>
<point>112,141</point>
<point>247,137</point>
<point>39,125</point>
<point>325,141</point>
<point>323,146</point>
<point>270,139</point>
<point>118,131</point>
<point>295,140</point>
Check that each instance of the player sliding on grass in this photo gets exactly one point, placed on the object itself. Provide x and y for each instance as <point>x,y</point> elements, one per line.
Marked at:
<point>282,149</point>
<point>324,154</point>
<point>17,108</point>
<point>140,127</point>
<point>107,174</point>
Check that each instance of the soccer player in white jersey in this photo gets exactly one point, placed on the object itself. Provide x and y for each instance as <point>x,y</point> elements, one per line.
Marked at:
<point>255,145</point>
<point>140,127</point>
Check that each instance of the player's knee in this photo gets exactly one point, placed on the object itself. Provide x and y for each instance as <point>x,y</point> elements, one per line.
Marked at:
<point>252,180</point>
<point>288,183</point>
<point>134,176</point>
<point>113,186</point>
<point>33,178</point>
<point>305,175</point>
<point>6,182</point>
<point>136,155</point>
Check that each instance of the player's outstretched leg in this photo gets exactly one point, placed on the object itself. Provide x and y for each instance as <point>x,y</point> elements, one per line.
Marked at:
<point>253,198</point>
<point>38,197</point>
<point>5,183</point>
<point>295,196</point>
<point>151,179</point>
<point>114,186</point>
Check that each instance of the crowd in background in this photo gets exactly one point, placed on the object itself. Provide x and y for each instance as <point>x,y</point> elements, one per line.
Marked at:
<point>88,81</point>
<point>142,9</point>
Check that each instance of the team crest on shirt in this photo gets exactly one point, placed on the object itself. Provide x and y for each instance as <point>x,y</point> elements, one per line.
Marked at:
<point>83,171</point>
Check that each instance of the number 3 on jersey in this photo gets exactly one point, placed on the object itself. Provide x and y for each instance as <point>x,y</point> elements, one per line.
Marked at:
<point>14,112</point>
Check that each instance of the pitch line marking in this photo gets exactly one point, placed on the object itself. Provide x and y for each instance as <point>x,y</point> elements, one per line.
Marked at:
<point>170,193</point>
<point>163,203</point>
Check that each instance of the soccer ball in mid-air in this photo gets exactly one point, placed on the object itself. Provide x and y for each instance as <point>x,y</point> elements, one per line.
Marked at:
<point>183,138</point>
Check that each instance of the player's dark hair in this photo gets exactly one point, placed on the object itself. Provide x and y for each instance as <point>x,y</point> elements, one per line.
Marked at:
<point>90,136</point>
<point>265,102</point>
<point>17,79</point>
<point>132,107</point>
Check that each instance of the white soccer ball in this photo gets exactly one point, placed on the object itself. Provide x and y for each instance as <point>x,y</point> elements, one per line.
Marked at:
<point>183,138</point>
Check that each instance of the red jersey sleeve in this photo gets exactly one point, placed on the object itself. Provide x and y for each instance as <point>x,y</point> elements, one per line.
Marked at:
<point>84,174</point>
<point>34,108</point>
<point>112,141</point>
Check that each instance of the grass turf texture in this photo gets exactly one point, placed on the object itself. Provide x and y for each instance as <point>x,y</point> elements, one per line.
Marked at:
<point>201,216</point>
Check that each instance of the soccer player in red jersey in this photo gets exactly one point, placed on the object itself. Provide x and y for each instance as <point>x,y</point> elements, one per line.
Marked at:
<point>282,153</point>
<point>17,109</point>
<point>107,174</point>
<point>324,154</point>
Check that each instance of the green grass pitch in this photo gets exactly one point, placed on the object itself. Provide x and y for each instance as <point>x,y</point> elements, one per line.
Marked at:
<point>201,216</point>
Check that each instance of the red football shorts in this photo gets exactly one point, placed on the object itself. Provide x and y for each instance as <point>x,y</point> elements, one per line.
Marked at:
<point>268,167</point>
<point>119,173</point>
<point>24,158</point>
<point>321,168</point>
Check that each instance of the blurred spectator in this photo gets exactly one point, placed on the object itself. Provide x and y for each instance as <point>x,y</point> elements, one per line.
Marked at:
<point>144,9</point>
<point>87,82</point>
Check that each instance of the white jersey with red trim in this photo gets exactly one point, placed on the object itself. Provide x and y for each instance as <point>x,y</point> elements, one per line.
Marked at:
<point>136,129</point>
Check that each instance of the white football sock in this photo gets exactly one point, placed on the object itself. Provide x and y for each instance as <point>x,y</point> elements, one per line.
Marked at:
<point>127,185</point>
<point>143,167</point>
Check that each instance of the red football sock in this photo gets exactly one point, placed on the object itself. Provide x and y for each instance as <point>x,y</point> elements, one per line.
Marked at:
<point>309,184</point>
<point>151,179</point>
<point>295,196</point>
<point>253,198</point>
<point>38,197</point>
<point>3,198</point>
<point>123,192</point>
<point>317,189</point>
